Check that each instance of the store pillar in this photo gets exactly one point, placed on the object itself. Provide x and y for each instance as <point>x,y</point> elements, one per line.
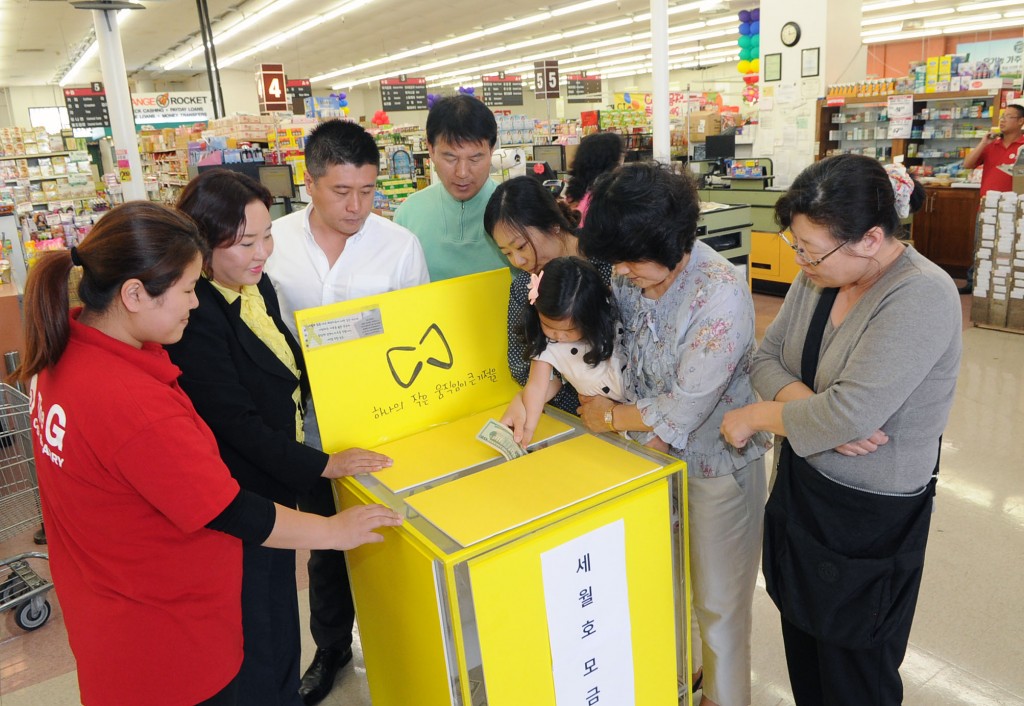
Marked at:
<point>119,100</point>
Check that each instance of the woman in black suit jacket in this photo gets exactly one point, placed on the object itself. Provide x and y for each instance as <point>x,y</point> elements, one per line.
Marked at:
<point>245,375</point>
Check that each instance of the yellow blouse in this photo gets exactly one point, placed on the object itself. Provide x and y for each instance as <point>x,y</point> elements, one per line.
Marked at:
<point>254,314</point>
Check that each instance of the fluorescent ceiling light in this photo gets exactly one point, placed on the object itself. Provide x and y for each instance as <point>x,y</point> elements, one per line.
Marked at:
<point>580,6</point>
<point>898,37</point>
<point>590,29</point>
<point>722,21</point>
<point>963,20</point>
<point>874,6</point>
<point>356,80</point>
<point>971,7</point>
<point>282,37</point>
<point>891,29</point>
<point>90,52</point>
<point>231,31</point>
<point>907,16</point>
<point>984,26</point>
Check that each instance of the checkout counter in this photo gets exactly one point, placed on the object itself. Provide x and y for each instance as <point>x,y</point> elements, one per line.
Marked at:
<point>772,266</point>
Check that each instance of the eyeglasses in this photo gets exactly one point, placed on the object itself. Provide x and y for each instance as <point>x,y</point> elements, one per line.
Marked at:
<point>802,254</point>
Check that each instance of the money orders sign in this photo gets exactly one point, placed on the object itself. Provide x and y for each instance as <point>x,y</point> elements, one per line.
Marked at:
<point>386,366</point>
<point>587,602</point>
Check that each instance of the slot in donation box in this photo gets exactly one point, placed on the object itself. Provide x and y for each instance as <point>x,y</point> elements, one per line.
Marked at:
<point>550,579</point>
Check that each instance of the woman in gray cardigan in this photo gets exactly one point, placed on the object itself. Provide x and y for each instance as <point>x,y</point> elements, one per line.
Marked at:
<point>862,407</point>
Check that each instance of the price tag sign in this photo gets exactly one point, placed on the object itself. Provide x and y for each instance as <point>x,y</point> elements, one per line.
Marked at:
<point>271,89</point>
<point>503,90</point>
<point>581,88</point>
<point>545,79</point>
<point>298,89</point>
<point>403,93</point>
<point>87,106</point>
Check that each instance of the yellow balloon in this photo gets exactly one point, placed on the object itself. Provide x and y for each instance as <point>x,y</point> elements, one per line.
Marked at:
<point>743,67</point>
<point>755,66</point>
<point>345,110</point>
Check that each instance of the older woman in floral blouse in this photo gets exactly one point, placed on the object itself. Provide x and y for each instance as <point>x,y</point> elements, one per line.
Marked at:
<point>688,322</point>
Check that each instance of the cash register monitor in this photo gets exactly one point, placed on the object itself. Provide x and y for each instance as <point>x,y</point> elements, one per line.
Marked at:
<point>719,147</point>
<point>554,155</point>
<point>278,180</point>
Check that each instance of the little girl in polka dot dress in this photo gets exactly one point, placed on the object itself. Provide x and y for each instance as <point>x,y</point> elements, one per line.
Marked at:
<point>571,329</point>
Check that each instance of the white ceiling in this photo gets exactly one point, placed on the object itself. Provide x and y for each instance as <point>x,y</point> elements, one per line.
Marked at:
<point>41,38</point>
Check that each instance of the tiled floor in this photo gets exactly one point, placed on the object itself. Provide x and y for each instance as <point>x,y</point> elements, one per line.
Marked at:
<point>967,647</point>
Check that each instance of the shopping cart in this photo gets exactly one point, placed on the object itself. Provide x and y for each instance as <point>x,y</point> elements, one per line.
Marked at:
<point>21,588</point>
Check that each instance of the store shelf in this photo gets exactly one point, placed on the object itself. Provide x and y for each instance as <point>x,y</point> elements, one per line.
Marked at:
<point>40,178</point>
<point>12,158</point>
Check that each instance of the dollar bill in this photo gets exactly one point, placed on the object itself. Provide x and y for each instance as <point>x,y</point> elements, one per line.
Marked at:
<point>499,437</point>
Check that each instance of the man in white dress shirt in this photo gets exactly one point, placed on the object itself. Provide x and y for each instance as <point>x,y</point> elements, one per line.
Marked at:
<point>333,250</point>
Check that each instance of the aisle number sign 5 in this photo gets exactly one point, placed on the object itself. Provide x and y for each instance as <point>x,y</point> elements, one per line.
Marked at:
<point>545,79</point>
<point>270,87</point>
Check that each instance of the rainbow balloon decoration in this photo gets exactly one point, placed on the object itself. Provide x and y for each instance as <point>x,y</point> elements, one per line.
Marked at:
<point>750,52</point>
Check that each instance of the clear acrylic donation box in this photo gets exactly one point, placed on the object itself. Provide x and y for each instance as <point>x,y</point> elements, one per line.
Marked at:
<point>551,579</point>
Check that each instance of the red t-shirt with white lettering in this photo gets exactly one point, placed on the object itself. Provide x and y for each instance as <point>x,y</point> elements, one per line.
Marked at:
<point>129,476</point>
<point>996,161</point>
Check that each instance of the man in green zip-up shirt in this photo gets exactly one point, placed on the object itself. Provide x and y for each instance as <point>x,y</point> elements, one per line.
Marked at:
<point>448,217</point>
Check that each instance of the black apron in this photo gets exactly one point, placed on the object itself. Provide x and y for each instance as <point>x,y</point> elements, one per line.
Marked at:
<point>841,564</point>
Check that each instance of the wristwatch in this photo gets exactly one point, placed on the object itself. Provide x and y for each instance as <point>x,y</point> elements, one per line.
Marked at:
<point>609,417</point>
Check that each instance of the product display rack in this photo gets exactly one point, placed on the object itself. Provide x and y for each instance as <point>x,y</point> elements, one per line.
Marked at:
<point>944,124</point>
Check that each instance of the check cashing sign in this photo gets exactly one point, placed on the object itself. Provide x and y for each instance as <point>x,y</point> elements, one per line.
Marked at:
<point>386,366</point>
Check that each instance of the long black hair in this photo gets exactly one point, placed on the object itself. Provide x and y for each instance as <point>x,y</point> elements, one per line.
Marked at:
<point>597,154</point>
<point>572,289</point>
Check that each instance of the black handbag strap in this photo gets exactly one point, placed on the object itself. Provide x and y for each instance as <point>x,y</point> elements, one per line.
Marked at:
<point>815,332</point>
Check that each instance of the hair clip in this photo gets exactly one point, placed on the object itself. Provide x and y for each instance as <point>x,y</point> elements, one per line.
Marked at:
<point>534,290</point>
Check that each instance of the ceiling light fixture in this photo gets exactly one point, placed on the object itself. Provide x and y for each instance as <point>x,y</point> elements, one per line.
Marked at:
<point>898,36</point>
<point>907,16</point>
<point>963,20</point>
<point>231,31</point>
<point>985,26</point>
<point>971,7</point>
<point>89,53</point>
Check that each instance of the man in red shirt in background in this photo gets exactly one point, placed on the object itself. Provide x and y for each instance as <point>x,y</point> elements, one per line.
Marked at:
<point>997,153</point>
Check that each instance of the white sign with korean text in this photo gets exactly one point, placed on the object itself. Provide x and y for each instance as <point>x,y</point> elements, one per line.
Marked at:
<point>587,601</point>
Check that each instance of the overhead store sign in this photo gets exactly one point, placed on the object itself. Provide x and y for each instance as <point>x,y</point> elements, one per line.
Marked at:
<point>1002,57</point>
<point>298,89</point>
<point>581,88</point>
<point>271,90</point>
<point>503,90</point>
<point>545,79</point>
<point>180,107</point>
<point>403,93</point>
<point>87,106</point>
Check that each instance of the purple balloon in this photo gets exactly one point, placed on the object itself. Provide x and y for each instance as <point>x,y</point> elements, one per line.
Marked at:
<point>755,28</point>
<point>744,15</point>
<point>755,14</point>
<point>745,28</point>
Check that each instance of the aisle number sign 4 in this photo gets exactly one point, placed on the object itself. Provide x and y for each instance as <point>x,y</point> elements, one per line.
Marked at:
<point>270,87</point>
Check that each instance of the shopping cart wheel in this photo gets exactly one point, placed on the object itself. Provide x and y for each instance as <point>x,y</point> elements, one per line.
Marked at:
<point>29,617</point>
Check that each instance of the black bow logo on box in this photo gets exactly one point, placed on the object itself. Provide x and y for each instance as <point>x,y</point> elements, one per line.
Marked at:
<point>406,362</point>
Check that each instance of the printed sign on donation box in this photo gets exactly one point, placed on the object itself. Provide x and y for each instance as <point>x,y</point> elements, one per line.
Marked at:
<point>271,89</point>
<point>386,366</point>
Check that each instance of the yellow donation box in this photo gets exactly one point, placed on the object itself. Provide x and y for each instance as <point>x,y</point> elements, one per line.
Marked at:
<point>551,579</point>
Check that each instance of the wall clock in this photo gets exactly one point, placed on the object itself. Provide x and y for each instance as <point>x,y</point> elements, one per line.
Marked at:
<point>790,34</point>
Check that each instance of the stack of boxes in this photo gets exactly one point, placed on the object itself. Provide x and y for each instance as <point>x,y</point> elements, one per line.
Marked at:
<point>323,107</point>
<point>515,130</point>
<point>999,263</point>
<point>241,128</point>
